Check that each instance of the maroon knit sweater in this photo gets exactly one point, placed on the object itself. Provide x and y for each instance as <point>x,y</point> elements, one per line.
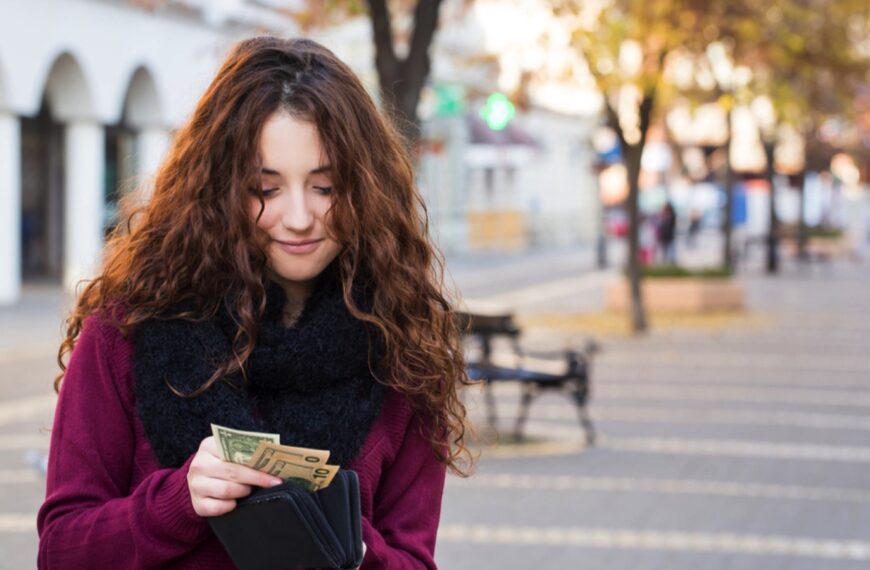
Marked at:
<point>110,505</point>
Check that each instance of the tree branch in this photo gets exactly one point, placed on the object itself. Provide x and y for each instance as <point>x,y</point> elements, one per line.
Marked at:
<point>416,66</point>
<point>382,34</point>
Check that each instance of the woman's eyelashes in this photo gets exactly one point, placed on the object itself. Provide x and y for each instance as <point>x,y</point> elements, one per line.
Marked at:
<point>324,190</point>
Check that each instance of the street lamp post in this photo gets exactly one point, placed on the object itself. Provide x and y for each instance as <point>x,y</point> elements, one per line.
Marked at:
<point>729,79</point>
<point>601,238</point>
<point>723,71</point>
<point>765,116</point>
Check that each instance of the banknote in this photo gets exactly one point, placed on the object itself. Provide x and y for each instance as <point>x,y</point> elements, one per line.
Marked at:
<point>311,477</point>
<point>267,451</point>
<point>263,451</point>
<point>238,446</point>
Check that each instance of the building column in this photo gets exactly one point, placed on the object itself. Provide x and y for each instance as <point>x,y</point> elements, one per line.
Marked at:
<point>84,207</point>
<point>10,208</point>
<point>151,146</point>
<point>151,143</point>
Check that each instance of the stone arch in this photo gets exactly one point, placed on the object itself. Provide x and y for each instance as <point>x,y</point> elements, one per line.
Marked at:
<point>142,107</point>
<point>67,90</point>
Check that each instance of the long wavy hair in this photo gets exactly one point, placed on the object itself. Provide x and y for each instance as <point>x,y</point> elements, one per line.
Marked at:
<point>194,243</point>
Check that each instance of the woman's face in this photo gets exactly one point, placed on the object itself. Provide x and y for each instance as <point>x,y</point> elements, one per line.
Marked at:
<point>298,196</point>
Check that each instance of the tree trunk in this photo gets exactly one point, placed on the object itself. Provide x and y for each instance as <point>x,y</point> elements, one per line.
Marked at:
<point>402,80</point>
<point>632,154</point>
<point>773,234</point>
<point>727,255</point>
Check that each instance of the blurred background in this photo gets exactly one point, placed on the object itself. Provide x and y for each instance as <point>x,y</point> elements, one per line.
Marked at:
<point>655,216</point>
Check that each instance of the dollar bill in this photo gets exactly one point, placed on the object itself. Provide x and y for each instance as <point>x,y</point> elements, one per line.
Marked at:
<point>263,451</point>
<point>268,451</point>
<point>237,446</point>
<point>311,477</point>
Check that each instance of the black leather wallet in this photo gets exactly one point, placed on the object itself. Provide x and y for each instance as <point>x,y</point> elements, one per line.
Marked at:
<point>288,528</point>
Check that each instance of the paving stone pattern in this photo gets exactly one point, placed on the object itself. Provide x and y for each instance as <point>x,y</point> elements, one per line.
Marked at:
<point>733,449</point>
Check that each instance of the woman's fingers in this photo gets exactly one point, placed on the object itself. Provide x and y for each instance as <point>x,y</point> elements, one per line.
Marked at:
<point>209,445</point>
<point>215,484</point>
<point>219,489</point>
<point>245,475</point>
<point>208,465</point>
<point>207,507</point>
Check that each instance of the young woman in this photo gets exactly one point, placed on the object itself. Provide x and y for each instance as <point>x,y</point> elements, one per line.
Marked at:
<point>279,280</point>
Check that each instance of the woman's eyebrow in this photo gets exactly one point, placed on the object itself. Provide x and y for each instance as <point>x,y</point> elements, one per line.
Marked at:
<point>269,171</point>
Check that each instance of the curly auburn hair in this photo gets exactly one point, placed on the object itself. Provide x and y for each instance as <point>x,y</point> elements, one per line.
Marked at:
<point>195,241</point>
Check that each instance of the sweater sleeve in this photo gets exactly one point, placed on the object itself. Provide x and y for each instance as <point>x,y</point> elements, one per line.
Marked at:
<point>407,508</point>
<point>90,519</point>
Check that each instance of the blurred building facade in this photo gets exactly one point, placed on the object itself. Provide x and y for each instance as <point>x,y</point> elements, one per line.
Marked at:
<point>525,186</point>
<point>529,183</point>
<point>90,92</point>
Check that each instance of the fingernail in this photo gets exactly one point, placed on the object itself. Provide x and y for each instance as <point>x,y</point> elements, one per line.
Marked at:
<point>275,482</point>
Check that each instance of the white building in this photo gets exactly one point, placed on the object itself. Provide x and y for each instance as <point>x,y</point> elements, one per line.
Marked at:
<point>90,92</point>
<point>527,186</point>
<point>506,191</point>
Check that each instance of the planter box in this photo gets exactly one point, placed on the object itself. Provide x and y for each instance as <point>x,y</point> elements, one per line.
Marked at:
<point>820,247</point>
<point>680,295</point>
<point>829,247</point>
<point>497,230</point>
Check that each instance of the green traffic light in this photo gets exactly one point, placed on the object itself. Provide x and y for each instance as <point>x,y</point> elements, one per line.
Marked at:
<point>449,100</point>
<point>497,112</point>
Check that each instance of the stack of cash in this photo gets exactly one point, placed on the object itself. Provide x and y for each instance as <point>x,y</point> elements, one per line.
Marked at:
<point>264,452</point>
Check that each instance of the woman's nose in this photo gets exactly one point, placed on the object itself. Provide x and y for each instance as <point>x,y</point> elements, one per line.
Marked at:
<point>298,215</point>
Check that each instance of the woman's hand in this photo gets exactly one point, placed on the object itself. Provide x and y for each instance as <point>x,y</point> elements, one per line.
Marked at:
<point>215,484</point>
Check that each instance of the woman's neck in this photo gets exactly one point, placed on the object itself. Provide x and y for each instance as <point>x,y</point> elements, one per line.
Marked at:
<point>297,294</point>
<point>291,313</point>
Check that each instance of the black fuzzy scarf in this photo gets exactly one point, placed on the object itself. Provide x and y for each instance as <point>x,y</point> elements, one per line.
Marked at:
<point>310,383</point>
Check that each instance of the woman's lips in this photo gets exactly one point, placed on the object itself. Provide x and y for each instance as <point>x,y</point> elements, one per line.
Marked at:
<point>299,247</point>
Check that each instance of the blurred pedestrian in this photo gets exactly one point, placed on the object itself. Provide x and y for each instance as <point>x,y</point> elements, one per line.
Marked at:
<point>278,281</point>
<point>694,228</point>
<point>667,230</point>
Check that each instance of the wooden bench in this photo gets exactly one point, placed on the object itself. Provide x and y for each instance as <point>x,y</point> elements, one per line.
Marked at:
<point>567,372</point>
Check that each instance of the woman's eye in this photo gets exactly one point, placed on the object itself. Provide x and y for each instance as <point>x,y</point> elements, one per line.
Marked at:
<point>324,189</point>
<point>269,191</point>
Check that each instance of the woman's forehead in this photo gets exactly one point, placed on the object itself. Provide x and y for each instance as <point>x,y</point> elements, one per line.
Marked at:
<point>291,147</point>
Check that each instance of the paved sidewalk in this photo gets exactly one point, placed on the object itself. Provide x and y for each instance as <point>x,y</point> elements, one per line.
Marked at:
<point>739,449</point>
<point>731,448</point>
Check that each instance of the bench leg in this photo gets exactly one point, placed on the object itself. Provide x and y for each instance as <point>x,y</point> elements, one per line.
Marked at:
<point>525,404</point>
<point>587,425</point>
<point>490,406</point>
<point>580,395</point>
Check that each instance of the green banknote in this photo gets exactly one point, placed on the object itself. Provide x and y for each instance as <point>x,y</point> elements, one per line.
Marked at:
<point>263,451</point>
<point>237,446</point>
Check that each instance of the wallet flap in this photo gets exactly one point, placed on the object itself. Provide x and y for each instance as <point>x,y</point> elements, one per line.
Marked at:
<point>356,527</point>
<point>275,531</point>
<point>340,505</point>
<point>320,525</point>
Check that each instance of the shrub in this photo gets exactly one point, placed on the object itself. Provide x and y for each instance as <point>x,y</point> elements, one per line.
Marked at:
<point>825,233</point>
<point>660,271</point>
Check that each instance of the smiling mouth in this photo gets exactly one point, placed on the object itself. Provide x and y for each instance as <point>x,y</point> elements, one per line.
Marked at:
<point>301,247</point>
<point>299,243</point>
